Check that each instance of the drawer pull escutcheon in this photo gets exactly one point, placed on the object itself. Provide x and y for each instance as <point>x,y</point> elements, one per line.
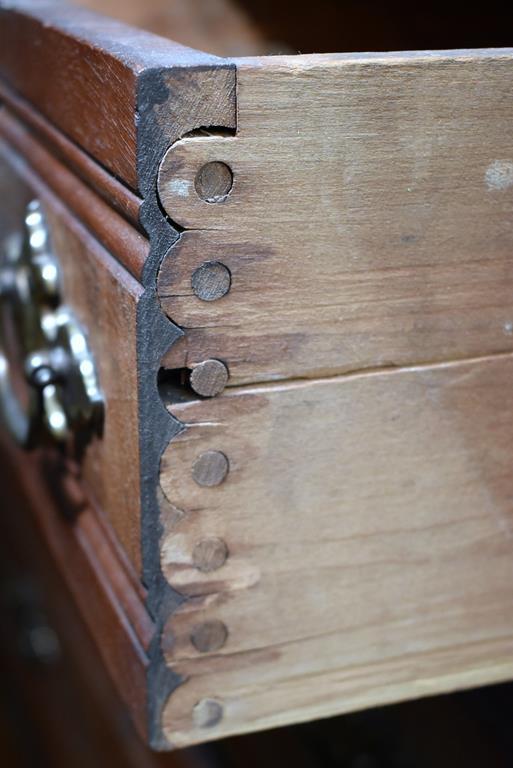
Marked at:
<point>62,397</point>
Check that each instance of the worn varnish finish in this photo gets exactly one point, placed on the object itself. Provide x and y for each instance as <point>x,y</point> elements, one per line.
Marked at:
<point>372,228</point>
<point>73,57</point>
<point>367,524</point>
<point>104,297</point>
<point>124,242</point>
<point>116,194</point>
<point>104,589</point>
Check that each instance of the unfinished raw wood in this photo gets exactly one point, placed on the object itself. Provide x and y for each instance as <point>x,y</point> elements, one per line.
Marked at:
<point>207,713</point>
<point>213,182</point>
<point>369,223</point>
<point>369,524</point>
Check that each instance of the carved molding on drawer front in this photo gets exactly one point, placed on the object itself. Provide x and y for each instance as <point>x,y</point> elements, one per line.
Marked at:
<point>80,498</point>
<point>361,230</point>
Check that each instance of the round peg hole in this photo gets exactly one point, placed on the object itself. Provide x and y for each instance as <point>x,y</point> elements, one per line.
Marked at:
<point>213,182</point>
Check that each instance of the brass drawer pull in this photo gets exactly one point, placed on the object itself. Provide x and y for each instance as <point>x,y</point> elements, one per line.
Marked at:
<point>62,392</point>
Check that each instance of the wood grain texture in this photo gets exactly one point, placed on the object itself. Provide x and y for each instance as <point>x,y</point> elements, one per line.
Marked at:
<point>104,297</point>
<point>369,223</point>
<point>122,240</point>
<point>113,191</point>
<point>368,528</point>
<point>93,574</point>
<point>83,72</point>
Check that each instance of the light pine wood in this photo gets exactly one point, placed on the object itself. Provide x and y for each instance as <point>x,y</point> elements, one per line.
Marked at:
<point>369,222</point>
<point>369,530</point>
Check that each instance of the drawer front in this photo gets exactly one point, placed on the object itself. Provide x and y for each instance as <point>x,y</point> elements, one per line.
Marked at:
<point>78,496</point>
<point>104,299</point>
<point>295,276</point>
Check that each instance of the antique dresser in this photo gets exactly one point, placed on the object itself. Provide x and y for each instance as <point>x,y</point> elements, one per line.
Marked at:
<point>256,369</point>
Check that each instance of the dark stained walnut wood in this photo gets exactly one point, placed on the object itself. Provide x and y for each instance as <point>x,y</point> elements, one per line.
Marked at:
<point>126,243</point>
<point>106,593</point>
<point>92,107</point>
<point>104,297</point>
<point>72,58</point>
<point>113,191</point>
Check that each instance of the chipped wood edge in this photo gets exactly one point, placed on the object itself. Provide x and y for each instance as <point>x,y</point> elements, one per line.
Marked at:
<point>171,103</point>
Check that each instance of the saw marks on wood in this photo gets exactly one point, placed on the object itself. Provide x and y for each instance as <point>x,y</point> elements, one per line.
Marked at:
<point>362,545</point>
<point>368,224</point>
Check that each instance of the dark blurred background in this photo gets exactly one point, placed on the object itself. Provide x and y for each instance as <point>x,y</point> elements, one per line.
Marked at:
<point>252,27</point>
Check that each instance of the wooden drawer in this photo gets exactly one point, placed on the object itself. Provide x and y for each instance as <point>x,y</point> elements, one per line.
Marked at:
<point>295,277</point>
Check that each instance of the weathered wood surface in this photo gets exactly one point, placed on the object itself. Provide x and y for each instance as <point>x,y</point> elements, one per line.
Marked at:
<point>369,222</point>
<point>84,71</point>
<point>368,558</point>
<point>104,297</point>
